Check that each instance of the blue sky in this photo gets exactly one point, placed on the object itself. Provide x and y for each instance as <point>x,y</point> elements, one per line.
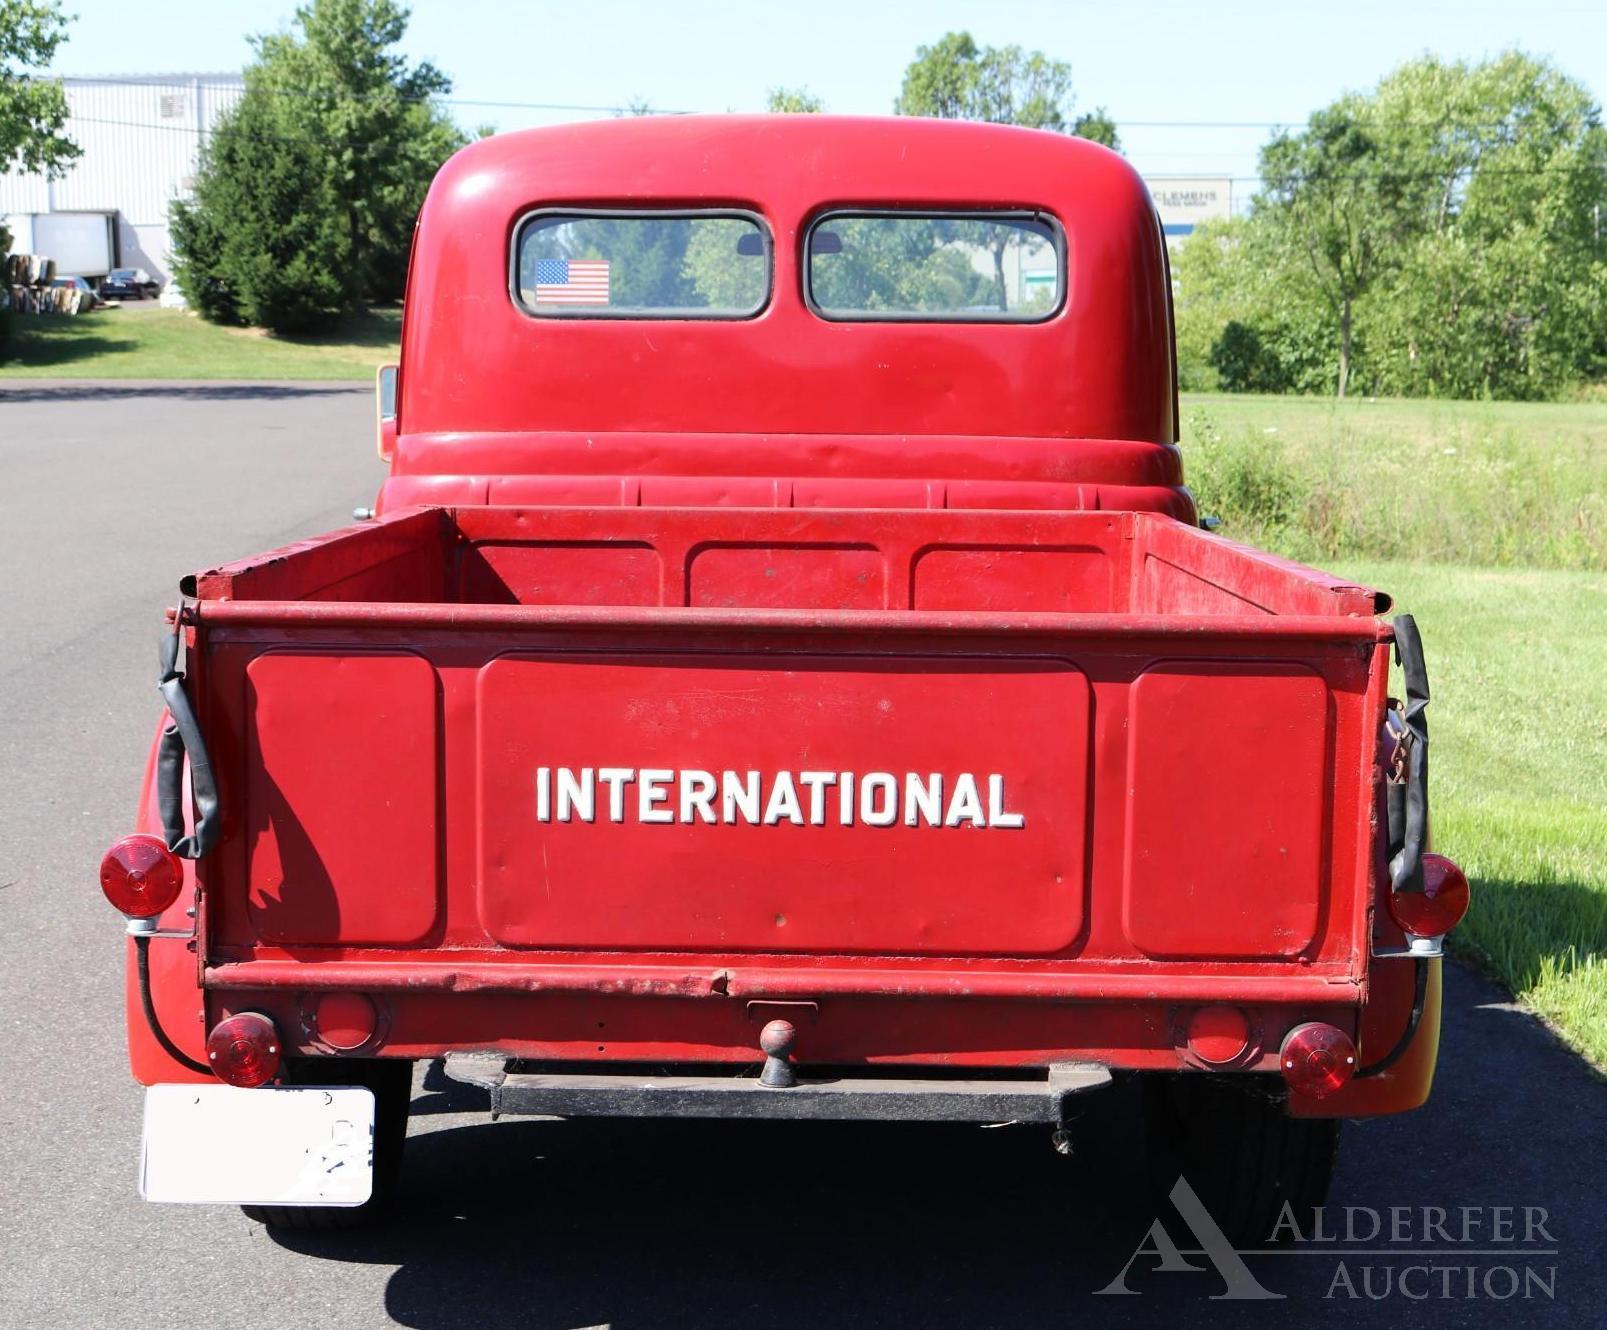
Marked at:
<point>1157,61</point>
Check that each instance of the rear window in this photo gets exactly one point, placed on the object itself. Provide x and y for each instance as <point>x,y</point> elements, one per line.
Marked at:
<point>936,266</point>
<point>672,265</point>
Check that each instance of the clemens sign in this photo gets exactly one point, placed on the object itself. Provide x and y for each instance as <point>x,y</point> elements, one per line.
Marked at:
<point>1185,201</point>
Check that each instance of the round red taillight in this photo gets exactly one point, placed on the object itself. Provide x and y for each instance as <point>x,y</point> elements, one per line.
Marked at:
<point>141,876</point>
<point>244,1050</point>
<point>1218,1034</point>
<point>1317,1059</point>
<point>1439,907</point>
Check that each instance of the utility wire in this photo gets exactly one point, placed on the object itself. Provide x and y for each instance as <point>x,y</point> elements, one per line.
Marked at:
<point>228,82</point>
<point>1348,176</point>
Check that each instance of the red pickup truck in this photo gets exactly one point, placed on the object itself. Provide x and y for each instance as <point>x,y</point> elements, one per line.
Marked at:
<point>785,677</point>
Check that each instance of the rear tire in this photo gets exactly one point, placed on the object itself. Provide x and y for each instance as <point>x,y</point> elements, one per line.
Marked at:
<point>1245,1158</point>
<point>391,1080</point>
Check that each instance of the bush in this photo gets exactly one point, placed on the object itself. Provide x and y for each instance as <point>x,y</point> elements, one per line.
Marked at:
<point>262,242</point>
<point>1243,363</point>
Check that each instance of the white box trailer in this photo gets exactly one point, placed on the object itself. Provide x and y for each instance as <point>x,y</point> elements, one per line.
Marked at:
<point>83,244</point>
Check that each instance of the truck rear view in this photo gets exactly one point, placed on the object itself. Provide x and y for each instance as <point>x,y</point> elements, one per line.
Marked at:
<point>786,679</point>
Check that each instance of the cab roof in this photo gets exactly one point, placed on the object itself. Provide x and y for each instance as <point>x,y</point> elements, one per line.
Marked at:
<point>474,361</point>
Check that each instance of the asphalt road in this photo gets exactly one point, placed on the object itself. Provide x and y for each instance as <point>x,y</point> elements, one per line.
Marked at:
<point>108,494</point>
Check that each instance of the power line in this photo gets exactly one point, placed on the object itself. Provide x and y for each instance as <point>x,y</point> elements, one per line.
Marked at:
<point>229,82</point>
<point>1441,174</point>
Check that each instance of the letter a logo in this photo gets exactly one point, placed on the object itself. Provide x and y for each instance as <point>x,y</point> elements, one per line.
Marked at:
<point>1214,1246</point>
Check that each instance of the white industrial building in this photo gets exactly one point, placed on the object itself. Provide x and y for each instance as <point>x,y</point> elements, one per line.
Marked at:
<point>140,137</point>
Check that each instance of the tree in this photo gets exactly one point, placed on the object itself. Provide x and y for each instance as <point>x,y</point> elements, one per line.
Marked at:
<point>955,79</point>
<point>265,240</point>
<point>1439,235</point>
<point>1345,199</point>
<point>346,86</point>
<point>306,196</point>
<point>1502,286</point>
<point>33,112</point>
<point>796,101</point>
<point>1097,127</point>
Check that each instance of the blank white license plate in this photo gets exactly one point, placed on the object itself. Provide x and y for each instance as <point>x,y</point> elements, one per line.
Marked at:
<point>275,1145</point>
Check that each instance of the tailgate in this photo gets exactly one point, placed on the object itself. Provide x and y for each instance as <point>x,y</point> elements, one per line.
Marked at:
<point>1008,753</point>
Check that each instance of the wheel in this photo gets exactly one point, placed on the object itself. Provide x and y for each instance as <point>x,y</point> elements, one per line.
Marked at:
<point>1245,1158</point>
<point>391,1080</point>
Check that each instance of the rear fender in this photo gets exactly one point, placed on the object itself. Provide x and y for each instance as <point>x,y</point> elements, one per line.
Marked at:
<point>175,973</point>
<point>1406,1083</point>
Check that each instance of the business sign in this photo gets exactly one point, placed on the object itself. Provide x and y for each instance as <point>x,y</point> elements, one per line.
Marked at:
<point>1185,201</point>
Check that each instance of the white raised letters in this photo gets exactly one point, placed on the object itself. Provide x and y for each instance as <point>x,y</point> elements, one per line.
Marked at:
<point>665,796</point>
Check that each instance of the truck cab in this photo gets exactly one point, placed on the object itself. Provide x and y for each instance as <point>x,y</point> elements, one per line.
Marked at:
<point>785,677</point>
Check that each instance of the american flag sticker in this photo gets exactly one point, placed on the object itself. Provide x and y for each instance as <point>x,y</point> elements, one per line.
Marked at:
<point>571,282</point>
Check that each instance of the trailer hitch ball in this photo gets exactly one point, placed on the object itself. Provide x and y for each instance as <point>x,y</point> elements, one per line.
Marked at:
<point>776,1041</point>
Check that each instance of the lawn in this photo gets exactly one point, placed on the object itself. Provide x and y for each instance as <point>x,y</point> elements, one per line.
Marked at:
<point>173,344</point>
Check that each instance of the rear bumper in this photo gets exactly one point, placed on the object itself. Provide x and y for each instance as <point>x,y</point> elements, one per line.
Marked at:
<point>628,1093</point>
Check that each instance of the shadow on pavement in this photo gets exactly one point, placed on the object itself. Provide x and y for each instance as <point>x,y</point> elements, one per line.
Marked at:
<point>93,390</point>
<point>590,1223</point>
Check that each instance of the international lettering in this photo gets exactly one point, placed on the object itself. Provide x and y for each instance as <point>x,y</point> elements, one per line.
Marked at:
<point>664,796</point>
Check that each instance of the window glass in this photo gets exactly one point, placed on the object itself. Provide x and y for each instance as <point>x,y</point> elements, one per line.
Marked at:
<point>646,265</point>
<point>984,266</point>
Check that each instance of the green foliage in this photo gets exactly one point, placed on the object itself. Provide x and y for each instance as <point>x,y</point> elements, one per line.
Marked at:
<point>955,79</point>
<point>1244,363</point>
<point>795,101</point>
<point>264,240</point>
<point>1097,127</point>
<point>345,85</point>
<point>33,113</point>
<point>307,194</point>
<point>1442,234</point>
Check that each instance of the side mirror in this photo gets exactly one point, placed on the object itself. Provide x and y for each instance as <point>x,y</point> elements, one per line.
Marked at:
<point>750,244</point>
<point>825,242</point>
<point>385,412</point>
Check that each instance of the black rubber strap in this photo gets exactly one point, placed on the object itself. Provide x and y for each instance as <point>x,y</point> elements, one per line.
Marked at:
<point>1419,996</point>
<point>142,949</point>
<point>181,737</point>
<point>1406,868</point>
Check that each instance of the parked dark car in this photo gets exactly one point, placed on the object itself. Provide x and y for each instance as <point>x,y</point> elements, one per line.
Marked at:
<point>129,284</point>
<point>80,284</point>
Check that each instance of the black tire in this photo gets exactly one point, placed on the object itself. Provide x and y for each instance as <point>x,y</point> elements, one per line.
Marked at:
<point>1245,1158</point>
<point>391,1080</point>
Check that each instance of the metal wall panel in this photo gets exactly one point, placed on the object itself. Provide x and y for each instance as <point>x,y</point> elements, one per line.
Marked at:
<point>140,139</point>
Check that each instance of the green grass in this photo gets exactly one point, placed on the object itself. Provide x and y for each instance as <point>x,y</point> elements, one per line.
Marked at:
<point>1498,484</point>
<point>1518,736</point>
<point>173,344</point>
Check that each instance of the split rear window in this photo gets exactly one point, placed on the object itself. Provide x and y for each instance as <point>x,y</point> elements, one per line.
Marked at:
<point>653,265</point>
<point>859,265</point>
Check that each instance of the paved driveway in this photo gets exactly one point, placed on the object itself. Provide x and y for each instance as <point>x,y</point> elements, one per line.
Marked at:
<point>109,493</point>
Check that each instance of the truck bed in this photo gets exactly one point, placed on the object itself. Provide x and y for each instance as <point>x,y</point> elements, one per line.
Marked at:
<point>1081,756</point>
